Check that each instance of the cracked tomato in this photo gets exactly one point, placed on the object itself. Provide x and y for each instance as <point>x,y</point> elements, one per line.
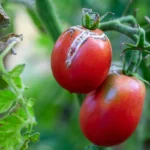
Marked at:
<point>81,59</point>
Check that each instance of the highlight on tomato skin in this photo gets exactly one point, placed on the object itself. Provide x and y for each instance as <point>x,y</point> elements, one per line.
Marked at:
<point>110,115</point>
<point>81,59</point>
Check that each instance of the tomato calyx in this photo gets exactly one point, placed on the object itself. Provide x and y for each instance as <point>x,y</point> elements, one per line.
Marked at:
<point>118,70</point>
<point>91,20</point>
<point>79,40</point>
<point>139,44</point>
<point>133,56</point>
<point>136,75</point>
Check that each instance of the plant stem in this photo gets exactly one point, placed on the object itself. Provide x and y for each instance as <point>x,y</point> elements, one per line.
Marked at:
<point>128,19</point>
<point>49,18</point>
<point>117,25</point>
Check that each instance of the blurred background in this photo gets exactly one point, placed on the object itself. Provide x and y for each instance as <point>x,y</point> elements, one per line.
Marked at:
<point>57,110</point>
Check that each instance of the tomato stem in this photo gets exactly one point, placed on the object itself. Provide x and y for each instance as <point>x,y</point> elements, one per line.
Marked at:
<point>47,14</point>
<point>137,34</point>
<point>120,26</point>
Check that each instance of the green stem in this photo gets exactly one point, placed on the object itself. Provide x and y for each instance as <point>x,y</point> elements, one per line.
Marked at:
<point>49,18</point>
<point>31,11</point>
<point>128,19</point>
<point>117,25</point>
<point>9,47</point>
<point>141,39</point>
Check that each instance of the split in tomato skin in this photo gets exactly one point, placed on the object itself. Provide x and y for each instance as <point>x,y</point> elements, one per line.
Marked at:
<point>81,59</point>
<point>109,115</point>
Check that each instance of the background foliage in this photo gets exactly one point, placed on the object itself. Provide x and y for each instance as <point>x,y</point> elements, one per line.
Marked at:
<point>57,110</point>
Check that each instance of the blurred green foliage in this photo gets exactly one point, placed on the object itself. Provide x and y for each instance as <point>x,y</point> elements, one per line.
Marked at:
<point>57,110</point>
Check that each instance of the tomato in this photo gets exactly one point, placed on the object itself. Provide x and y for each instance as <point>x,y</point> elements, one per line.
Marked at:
<point>110,114</point>
<point>81,59</point>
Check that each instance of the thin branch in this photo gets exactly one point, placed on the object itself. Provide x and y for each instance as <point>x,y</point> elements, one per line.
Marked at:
<point>127,8</point>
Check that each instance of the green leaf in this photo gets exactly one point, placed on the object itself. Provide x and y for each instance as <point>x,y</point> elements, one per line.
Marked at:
<point>3,83</point>
<point>35,137</point>
<point>18,82</point>
<point>6,99</point>
<point>5,79</point>
<point>15,72</point>
<point>31,102</point>
<point>10,129</point>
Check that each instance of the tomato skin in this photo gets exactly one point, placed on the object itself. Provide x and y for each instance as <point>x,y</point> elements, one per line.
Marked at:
<point>88,68</point>
<point>109,115</point>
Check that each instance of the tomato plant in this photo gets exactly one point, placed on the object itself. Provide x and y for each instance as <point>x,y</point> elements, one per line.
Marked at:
<point>110,114</point>
<point>81,59</point>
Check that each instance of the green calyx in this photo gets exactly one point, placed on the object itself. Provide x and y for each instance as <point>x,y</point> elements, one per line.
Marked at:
<point>133,55</point>
<point>130,66</point>
<point>90,20</point>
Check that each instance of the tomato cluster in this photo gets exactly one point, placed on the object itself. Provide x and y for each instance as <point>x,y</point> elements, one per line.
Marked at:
<point>80,63</point>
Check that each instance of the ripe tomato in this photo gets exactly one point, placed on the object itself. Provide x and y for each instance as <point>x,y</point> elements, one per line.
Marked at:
<point>81,59</point>
<point>110,114</point>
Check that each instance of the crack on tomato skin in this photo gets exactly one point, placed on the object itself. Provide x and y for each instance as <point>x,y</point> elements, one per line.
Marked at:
<point>84,41</point>
<point>80,40</point>
<point>75,46</point>
<point>71,31</point>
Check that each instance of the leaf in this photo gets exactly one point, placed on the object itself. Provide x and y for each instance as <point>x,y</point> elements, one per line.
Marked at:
<point>6,99</point>
<point>15,72</point>
<point>18,82</point>
<point>31,102</point>
<point>30,138</point>
<point>3,83</point>
<point>35,137</point>
<point>10,129</point>
<point>5,79</point>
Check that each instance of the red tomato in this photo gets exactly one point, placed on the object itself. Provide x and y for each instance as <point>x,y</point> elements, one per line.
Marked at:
<point>110,114</point>
<point>81,59</point>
